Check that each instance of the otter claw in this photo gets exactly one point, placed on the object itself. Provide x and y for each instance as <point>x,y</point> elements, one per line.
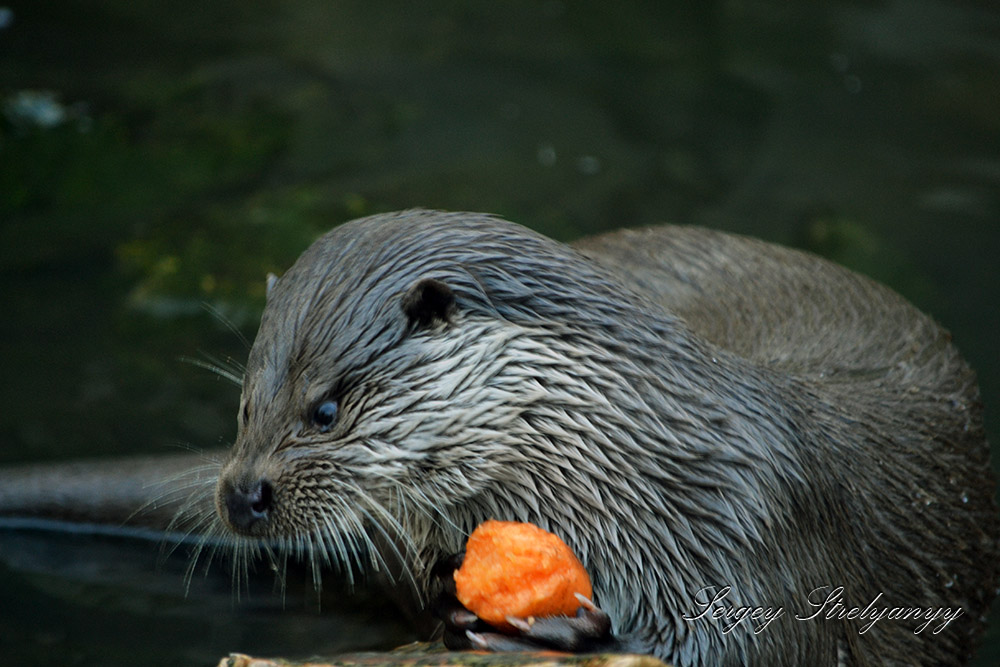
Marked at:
<point>477,640</point>
<point>462,618</point>
<point>498,643</point>
<point>520,623</point>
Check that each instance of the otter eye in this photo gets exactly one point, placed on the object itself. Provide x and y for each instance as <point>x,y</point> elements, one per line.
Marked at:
<point>325,415</point>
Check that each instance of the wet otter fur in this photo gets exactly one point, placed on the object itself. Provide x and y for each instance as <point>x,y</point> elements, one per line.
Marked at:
<point>685,408</point>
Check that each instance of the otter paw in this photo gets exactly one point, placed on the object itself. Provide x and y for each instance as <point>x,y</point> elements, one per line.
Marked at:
<point>588,631</point>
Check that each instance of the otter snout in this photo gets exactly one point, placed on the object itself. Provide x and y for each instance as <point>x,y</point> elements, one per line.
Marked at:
<point>245,505</point>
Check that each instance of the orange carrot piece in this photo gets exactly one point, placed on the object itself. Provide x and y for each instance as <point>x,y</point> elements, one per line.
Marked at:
<point>518,569</point>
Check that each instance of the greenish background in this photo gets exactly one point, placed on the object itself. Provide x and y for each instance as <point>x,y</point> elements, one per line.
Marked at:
<point>158,158</point>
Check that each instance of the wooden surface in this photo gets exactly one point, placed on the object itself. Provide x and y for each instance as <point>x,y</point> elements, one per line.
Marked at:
<point>433,655</point>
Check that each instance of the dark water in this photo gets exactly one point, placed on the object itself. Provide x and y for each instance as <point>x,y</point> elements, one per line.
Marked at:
<point>119,597</point>
<point>156,158</point>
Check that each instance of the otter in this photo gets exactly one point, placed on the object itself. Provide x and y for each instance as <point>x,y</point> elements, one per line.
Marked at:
<point>733,437</point>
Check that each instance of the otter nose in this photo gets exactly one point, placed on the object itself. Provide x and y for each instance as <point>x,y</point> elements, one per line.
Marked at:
<point>247,507</point>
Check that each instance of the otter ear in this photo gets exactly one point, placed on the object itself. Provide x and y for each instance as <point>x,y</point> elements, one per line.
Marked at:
<point>428,300</point>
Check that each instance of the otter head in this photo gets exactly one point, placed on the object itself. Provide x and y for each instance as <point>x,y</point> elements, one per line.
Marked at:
<point>399,383</point>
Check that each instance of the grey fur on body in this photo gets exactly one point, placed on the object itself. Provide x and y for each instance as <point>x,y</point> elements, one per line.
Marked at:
<point>685,408</point>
